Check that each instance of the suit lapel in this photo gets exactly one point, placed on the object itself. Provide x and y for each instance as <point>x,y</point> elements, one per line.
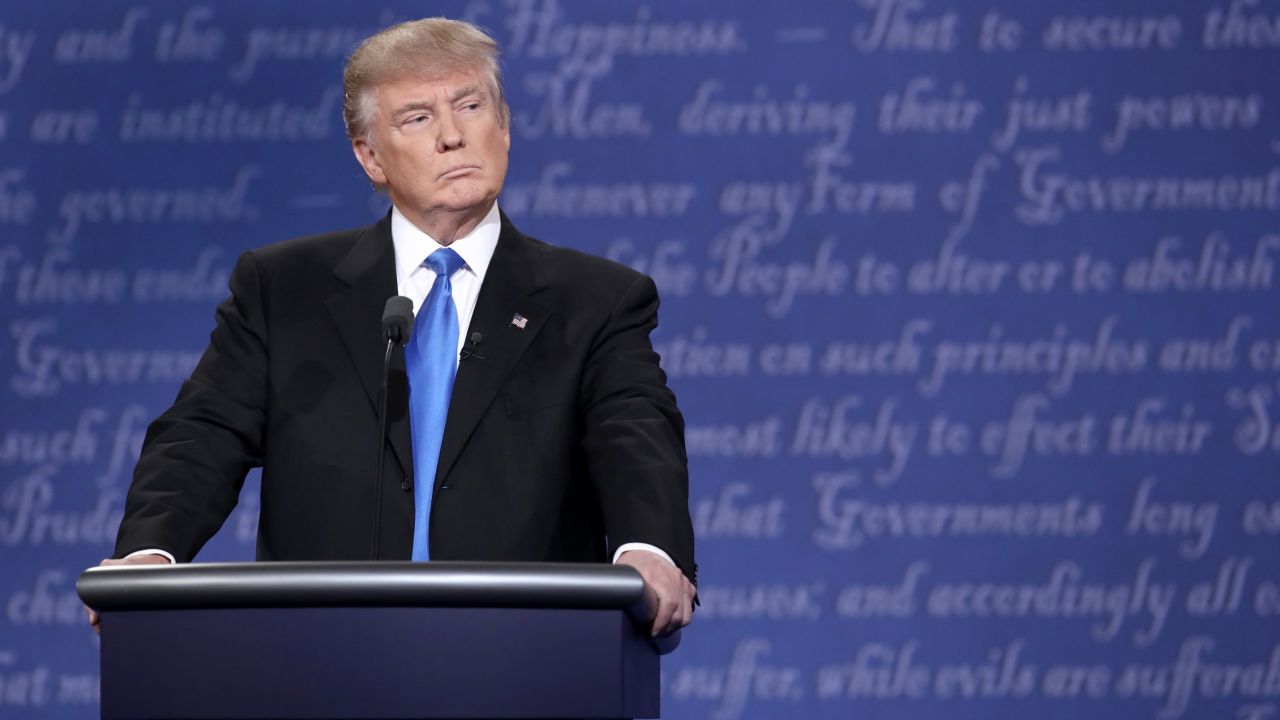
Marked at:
<point>369,270</point>
<point>514,276</point>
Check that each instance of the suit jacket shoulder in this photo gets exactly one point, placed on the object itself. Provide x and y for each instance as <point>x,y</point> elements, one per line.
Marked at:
<point>588,284</point>
<point>320,253</point>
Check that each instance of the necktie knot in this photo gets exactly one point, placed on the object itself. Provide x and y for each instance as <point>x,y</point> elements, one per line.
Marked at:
<point>444,261</point>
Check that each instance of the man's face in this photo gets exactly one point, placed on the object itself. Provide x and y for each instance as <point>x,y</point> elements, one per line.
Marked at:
<point>437,144</point>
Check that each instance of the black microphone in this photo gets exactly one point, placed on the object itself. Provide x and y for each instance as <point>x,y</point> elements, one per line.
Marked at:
<point>397,320</point>
<point>397,324</point>
<point>470,352</point>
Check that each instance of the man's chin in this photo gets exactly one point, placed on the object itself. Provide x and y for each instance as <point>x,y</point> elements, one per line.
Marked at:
<point>465,204</point>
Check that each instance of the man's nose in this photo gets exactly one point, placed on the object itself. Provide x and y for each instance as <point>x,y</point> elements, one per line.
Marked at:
<point>450,137</point>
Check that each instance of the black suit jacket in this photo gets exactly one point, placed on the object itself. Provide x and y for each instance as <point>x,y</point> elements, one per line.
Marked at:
<point>561,444</point>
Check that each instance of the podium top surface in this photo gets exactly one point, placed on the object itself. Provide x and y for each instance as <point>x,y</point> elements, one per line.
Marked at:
<point>362,584</point>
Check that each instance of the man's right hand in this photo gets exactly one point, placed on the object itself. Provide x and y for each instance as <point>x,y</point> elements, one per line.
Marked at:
<point>94,619</point>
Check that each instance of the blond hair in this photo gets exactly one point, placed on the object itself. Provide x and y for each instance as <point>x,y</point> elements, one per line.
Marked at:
<point>419,48</point>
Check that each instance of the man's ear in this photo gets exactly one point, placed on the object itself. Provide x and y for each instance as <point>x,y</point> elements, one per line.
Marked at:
<point>506,127</point>
<point>367,156</point>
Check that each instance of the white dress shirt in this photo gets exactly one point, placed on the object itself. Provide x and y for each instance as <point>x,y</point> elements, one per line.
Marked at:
<point>414,281</point>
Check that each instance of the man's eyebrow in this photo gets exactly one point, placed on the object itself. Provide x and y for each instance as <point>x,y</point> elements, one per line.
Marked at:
<point>468,90</point>
<point>411,106</point>
<point>428,105</point>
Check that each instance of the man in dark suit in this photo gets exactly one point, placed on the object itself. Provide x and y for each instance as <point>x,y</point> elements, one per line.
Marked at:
<point>560,440</point>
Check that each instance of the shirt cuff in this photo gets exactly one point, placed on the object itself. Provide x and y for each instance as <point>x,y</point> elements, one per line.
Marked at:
<point>152,551</point>
<point>641,546</point>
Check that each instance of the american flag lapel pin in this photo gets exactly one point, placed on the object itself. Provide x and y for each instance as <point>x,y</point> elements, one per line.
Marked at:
<point>519,321</point>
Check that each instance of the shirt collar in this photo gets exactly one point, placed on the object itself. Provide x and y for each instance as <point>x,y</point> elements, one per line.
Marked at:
<point>413,246</point>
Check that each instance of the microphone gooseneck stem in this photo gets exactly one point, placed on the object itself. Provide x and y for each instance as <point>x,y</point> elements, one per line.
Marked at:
<point>381,454</point>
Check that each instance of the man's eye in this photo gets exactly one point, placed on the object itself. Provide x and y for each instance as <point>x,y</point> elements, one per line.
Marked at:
<point>418,119</point>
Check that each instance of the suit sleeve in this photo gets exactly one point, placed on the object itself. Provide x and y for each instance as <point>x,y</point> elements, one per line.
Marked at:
<point>633,435</point>
<point>195,456</point>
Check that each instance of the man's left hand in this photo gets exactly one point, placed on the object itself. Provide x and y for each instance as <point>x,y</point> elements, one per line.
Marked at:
<point>668,592</point>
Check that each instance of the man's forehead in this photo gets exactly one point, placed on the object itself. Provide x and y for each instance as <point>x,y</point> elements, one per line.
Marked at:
<point>432,87</point>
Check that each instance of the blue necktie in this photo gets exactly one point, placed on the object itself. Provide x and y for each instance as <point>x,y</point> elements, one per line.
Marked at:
<point>431,361</point>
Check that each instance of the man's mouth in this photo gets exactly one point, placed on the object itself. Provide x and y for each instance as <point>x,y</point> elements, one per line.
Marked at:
<point>458,170</point>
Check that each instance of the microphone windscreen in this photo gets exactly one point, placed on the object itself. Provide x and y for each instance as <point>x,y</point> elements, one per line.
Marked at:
<point>397,319</point>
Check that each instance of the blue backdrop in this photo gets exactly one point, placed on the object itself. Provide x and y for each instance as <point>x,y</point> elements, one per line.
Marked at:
<point>971,309</point>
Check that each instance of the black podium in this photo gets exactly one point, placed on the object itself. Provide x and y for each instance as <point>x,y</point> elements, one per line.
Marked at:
<point>373,640</point>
